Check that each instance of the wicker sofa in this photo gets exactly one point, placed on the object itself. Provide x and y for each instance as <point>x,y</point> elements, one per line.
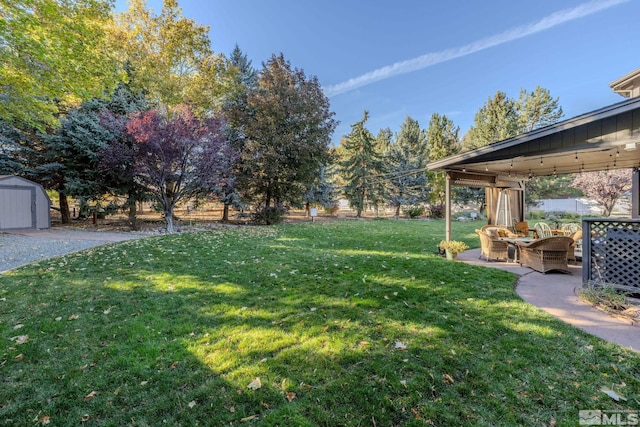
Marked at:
<point>546,254</point>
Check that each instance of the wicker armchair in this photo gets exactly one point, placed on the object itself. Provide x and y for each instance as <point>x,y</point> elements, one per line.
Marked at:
<point>543,230</point>
<point>492,248</point>
<point>546,254</point>
<point>521,228</point>
<point>571,227</point>
<point>575,251</point>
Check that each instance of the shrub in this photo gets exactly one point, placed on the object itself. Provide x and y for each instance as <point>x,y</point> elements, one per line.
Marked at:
<point>453,245</point>
<point>269,215</point>
<point>413,211</point>
<point>605,296</point>
<point>436,211</point>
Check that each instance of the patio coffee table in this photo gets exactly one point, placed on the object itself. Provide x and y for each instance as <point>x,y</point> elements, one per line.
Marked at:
<point>512,242</point>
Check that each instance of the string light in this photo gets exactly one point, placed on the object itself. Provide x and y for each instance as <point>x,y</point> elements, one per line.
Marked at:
<point>576,156</point>
<point>617,152</point>
<point>511,163</point>
<point>555,173</point>
<point>486,167</point>
<point>530,174</point>
<point>541,162</point>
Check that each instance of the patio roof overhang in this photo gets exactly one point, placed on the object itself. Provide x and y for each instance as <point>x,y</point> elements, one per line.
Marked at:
<point>608,138</point>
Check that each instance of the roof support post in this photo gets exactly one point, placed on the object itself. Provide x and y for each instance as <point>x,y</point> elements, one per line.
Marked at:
<point>447,202</point>
<point>635,193</point>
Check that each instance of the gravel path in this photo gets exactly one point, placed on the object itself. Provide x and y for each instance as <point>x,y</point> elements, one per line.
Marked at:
<point>23,247</point>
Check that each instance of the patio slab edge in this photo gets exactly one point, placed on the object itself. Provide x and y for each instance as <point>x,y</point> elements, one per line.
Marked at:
<point>557,294</point>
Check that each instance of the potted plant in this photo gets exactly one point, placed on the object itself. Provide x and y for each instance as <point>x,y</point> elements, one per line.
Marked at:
<point>452,248</point>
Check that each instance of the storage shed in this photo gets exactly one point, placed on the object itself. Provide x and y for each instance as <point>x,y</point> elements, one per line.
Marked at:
<point>23,204</point>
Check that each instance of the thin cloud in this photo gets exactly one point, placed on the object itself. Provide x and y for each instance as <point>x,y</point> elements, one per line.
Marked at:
<point>429,59</point>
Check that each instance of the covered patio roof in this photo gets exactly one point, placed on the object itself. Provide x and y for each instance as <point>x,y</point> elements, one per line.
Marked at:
<point>605,139</point>
<point>608,138</point>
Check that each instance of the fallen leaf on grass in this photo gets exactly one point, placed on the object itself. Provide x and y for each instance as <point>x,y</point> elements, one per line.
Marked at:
<point>404,383</point>
<point>90,396</point>
<point>85,418</point>
<point>45,420</point>
<point>192,404</point>
<point>400,345</point>
<point>142,383</point>
<point>612,394</point>
<point>21,339</point>
<point>18,326</point>
<point>73,317</point>
<point>19,357</point>
<point>448,378</point>
<point>59,318</point>
<point>290,396</point>
<point>232,409</point>
<point>174,365</point>
<point>245,419</point>
<point>255,384</point>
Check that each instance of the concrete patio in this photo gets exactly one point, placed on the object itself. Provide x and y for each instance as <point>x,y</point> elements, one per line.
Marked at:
<point>556,293</point>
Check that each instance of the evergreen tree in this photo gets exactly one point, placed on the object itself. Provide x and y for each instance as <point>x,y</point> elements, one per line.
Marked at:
<point>537,109</point>
<point>71,158</point>
<point>495,121</point>
<point>323,191</point>
<point>384,140</point>
<point>443,141</point>
<point>406,163</point>
<point>361,167</point>
<point>10,149</point>
<point>244,81</point>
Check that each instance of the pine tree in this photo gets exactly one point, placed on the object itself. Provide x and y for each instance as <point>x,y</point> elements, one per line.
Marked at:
<point>495,121</point>
<point>537,109</point>
<point>361,167</point>
<point>443,141</point>
<point>406,160</point>
<point>244,81</point>
<point>323,191</point>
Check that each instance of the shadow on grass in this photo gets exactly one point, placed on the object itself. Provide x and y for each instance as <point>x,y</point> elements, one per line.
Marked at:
<point>343,327</point>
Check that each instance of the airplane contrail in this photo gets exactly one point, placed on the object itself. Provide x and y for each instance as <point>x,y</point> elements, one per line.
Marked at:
<point>433,58</point>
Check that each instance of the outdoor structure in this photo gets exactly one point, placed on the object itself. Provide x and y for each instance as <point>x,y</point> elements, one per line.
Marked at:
<point>608,138</point>
<point>627,86</point>
<point>23,204</point>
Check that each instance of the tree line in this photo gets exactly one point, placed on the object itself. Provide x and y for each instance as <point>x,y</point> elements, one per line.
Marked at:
<point>112,109</point>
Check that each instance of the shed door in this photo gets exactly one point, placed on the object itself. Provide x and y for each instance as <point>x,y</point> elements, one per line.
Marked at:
<point>17,208</point>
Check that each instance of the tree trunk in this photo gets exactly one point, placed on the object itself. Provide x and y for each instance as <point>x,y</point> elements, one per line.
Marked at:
<point>398,211</point>
<point>307,209</point>
<point>133,217</point>
<point>168,217</point>
<point>64,208</point>
<point>225,213</point>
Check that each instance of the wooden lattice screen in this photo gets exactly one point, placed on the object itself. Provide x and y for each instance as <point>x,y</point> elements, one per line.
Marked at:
<point>611,252</point>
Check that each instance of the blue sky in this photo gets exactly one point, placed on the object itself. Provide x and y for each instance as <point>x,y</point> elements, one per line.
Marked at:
<point>416,57</point>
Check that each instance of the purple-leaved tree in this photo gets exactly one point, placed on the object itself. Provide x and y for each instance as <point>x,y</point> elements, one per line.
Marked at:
<point>179,157</point>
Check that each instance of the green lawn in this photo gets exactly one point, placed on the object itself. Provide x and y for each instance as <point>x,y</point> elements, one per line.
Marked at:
<point>350,323</point>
